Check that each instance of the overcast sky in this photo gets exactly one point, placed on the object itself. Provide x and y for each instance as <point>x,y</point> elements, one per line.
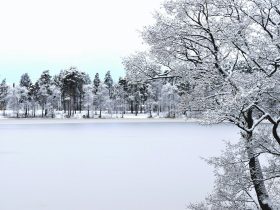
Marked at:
<point>92,35</point>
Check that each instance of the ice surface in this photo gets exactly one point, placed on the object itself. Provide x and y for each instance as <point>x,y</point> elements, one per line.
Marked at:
<point>107,166</point>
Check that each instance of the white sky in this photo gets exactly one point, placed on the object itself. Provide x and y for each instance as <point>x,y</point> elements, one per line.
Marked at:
<point>92,35</point>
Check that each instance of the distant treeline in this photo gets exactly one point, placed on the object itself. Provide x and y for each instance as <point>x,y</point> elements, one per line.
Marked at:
<point>73,91</point>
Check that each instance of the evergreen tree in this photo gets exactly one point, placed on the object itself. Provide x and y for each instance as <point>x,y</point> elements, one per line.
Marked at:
<point>72,82</point>
<point>87,79</point>
<point>33,94</point>
<point>45,78</point>
<point>123,93</point>
<point>25,81</point>
<point>44,91</point>
<point>96,83</point>
<point>123,82</point>
<point>3,94</point>
<point>108,81</point>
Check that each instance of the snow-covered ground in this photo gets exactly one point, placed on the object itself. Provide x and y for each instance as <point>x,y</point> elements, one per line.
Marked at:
<point>9,114</point>
<point>106,166</point>
<point>60,117</point>
<point>87,121</point>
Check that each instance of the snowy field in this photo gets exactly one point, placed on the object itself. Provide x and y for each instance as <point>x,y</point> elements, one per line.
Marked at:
<point>106,166</point>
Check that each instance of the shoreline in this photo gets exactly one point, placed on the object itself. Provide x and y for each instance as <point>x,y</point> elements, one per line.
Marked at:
<point>88,121</point>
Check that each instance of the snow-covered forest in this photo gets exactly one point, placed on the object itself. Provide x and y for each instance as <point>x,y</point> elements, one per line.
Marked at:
<point>73,92</point>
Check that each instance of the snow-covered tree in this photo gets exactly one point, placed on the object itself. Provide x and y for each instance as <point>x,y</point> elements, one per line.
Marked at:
<point>134,96</point>
<point>101,98</point>
<point>122,94</point>
<point>108,81</point>
<point>42,96</point>
<point>151,99</point>
<point>3,95</point>
<point>170,99</point>
<point>87,79</point>
<point>25,81</point>
<point>53,100</point>
<point>17,98</point>
<point>44,83</point>
<point>88,98</point>
<point>230,52</point>
<point>96,82</point>
<point>34,97</point>
<point>72,81</point>
<point>141,67</point>
<point>234,188</point>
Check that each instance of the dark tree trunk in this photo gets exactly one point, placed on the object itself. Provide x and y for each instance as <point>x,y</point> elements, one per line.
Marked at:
<point>141,108</point>
<point>69,108</point>
<point>43,111</point>
<point>131,107</point>
<point>136,109</point>
<point>255,168</point>
<point>64,106</point>
<point>150,112</point>
<point>25,113</point>
<point>81,104</point>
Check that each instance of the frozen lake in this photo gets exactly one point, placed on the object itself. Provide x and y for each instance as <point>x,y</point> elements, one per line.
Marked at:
<point>107,166</point>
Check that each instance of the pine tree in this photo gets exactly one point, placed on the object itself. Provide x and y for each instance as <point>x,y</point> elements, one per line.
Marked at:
<point>108,81</point>
<point>45,78</point>
<point>87,79</point>
<point>25,81</point>
<point>72,81</point>
<point>44,91</point>
<point>3,94</point>
<point>96,83</point>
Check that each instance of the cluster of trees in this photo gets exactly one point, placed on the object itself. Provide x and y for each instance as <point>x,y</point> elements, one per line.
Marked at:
<point>73,91</point>
<point>229,52</point>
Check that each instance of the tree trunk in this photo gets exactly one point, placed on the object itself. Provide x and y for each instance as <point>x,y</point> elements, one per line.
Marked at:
<point>136,109</point>
<point>68,109</point>
<point>131,107</point>
<point>64,105</point>
<point>43,111</point>
<point>80,105</point>
<point>25,114</point>
<point>255,168</point>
